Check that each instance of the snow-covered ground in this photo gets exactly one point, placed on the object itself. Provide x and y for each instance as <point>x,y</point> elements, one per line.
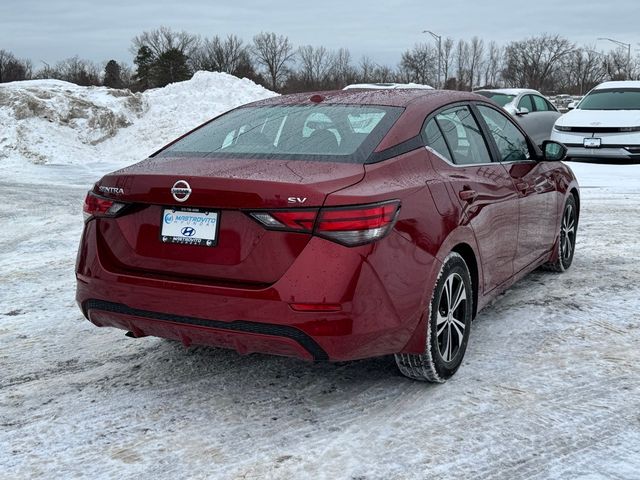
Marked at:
<point>550,386</point>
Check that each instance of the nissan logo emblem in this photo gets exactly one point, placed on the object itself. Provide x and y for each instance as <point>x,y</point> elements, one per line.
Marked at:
<point>181,191</point>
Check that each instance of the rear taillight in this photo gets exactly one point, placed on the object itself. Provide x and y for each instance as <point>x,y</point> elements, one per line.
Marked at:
<point>350,226</point>
<point>357,225</point>
<point>97,206</point>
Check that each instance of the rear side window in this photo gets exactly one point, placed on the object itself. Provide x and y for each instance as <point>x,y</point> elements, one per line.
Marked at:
<point>511,143</point>
<point>463,136</point>
<point>434,139</point>
<point>343,133</point>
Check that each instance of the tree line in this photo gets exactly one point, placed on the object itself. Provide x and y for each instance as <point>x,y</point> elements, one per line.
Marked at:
<point>549,63</point>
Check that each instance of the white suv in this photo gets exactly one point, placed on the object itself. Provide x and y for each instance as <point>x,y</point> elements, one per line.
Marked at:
<point>605,125</point>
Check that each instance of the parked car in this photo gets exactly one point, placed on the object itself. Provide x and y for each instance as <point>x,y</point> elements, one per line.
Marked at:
<point>604,126</point>
<point>575,100</point>
<point>533,111</point>
<point>334,226</point>
<point>388,86</point>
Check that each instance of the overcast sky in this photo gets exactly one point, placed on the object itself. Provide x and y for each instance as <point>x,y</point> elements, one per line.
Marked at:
<point>50,30</point>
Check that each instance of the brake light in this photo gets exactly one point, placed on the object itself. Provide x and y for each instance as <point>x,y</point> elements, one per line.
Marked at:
<point>97,206</point>
<point>357,225</point>
<point>290,220</point>
<point>350,226</point>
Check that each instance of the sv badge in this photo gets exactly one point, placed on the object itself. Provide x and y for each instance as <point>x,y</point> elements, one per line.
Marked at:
<point>296,199</point>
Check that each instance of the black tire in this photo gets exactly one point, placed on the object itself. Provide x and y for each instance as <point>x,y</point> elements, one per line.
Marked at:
<point>447,329</point>
<point>566,244</point>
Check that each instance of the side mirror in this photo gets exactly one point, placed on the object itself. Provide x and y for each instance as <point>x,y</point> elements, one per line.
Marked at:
<point>553,151</point>
<point>522,111</point>
<point>572,105</point>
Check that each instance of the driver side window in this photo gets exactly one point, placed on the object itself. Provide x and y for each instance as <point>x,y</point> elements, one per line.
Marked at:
<point>512,144</point>
<point>525,102</point>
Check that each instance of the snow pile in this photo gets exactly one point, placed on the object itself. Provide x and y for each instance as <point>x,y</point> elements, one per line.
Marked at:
<point>55,122</point>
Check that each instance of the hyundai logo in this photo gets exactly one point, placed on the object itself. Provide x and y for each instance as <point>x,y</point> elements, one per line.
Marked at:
<point>181,191</point>
<point>188,231</point>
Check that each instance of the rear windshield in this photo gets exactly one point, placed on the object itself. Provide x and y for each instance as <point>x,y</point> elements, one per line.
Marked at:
<point>618,99</point>
<point>500,98</point>
<point>343,133</point>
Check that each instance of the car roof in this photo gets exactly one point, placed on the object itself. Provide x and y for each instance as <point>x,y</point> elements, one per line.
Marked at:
<point>509,91</point>
<point>619,84</point>
<point>403,97</point>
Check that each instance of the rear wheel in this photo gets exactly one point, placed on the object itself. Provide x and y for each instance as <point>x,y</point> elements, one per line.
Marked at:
<point>450,314</point>
<point>567,238</point>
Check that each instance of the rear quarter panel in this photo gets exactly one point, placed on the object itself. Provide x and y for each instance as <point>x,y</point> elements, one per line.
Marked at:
<point>430,224</point>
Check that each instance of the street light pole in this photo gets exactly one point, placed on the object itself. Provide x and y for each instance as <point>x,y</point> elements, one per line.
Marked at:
<point>622,44</point>
<point>439,39</point>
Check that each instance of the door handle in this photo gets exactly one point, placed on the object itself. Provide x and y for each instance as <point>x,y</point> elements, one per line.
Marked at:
<point>522,186</point>
<point>467,195</point>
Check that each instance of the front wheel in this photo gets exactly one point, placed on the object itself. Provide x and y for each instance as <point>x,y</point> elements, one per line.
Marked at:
<point>566,244</point>
<point>450,314</point>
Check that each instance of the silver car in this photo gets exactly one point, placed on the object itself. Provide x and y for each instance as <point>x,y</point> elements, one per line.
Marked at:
<point>531,109</point>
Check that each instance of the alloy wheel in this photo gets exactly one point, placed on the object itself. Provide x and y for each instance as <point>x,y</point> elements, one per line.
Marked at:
<point>568,233</point>
<point>450,320</point>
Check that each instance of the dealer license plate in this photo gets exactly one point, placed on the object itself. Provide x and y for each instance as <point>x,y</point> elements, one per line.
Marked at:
<point>189,227</point>
<point>592,142</point>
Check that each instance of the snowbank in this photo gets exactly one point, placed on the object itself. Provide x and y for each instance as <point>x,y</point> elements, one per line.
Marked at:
<point>55,122</point>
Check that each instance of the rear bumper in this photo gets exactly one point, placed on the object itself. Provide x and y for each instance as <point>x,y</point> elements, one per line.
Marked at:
<point>245,337</point>
<point>379,288</point>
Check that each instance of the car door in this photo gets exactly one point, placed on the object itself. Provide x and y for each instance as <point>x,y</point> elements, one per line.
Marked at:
<point>534,182</point>
<point>544,116</point>
<point>483,188</point>
<point>526,117</point>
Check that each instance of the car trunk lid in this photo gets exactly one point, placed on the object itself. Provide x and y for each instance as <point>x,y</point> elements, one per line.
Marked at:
<point>244,252</point>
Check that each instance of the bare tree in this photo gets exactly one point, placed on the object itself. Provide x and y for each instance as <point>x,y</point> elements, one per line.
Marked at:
<point>219,55</point>
<point>493,65</point>
<point>463,60</point>
<point>316,64</point>
<point>581,70</point>
<point>617,65</point>
<point>531,62</point>
<point>274,53</point>
<point>12,69</point>
<point>342,71</point>
<point>419,64</point>
<point>366,73</point>
<point>447,58</point>
<point>126,75</point>
<point>74,70</point>
<point>476,55</point>
<point>163,39</point>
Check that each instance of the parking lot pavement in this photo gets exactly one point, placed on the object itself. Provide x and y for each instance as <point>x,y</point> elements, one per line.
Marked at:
<point>550,386</point>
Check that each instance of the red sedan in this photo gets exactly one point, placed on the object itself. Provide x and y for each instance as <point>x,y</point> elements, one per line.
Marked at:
<point>333,226</point>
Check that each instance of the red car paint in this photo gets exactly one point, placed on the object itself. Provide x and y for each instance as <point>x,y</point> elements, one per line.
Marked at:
<point>298,294</point>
